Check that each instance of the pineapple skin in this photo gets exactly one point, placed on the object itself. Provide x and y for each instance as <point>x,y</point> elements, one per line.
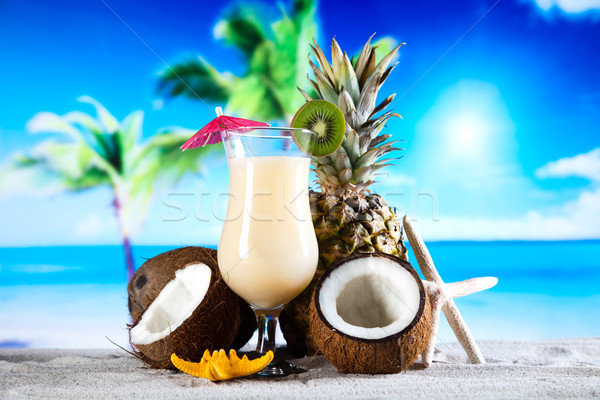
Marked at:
<point>348,218</point>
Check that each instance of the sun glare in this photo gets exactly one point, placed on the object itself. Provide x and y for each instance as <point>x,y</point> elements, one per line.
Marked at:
<point>467,133</point>
<point>469,129</point>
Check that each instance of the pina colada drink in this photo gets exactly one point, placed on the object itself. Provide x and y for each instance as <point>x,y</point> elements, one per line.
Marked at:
<point>268,251</point>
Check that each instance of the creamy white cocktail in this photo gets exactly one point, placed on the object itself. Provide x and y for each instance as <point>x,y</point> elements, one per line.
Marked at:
<point>268,251</point>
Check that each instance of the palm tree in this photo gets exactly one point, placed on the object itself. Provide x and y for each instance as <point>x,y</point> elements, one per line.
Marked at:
<point>102,151</point>
<point>274,53</point>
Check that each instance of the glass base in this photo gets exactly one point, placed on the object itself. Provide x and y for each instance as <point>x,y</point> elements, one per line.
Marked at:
<point>267,325</point>
<point>277,368</point>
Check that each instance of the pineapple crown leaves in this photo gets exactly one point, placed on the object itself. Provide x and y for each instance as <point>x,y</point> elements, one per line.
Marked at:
<point>353,84</point>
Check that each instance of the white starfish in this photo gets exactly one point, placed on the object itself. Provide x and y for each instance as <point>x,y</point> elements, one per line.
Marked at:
<point>441,296</point>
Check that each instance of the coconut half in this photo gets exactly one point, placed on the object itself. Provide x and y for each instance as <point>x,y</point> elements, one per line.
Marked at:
<point>370,314</point>
<point>181,305</point>
<point>174,304</point>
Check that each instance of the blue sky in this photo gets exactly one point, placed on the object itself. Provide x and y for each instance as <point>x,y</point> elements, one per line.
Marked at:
<point>502,133</point>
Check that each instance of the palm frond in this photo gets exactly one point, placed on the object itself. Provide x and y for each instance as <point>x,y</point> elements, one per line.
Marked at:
<point>53,166</point>
<point>159,164</point>
<point>304,8</point>
<point>47,122</point>
<point>255,97</point>
<point>195,78</point>
<point>128,135</point>
<point>88,144</point>
<point>160,161</point>
<point>275,53</point>
<point>108,122</point>
<point>243,28</point>
<point>91,130</point>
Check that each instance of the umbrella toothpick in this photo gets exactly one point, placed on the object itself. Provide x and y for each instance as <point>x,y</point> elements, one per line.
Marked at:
<point>211,132</point>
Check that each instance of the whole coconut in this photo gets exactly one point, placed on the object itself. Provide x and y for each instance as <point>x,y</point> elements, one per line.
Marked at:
<point>194,310</point>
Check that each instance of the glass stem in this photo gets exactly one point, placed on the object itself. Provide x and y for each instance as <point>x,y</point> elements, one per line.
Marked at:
<point>267,326</point>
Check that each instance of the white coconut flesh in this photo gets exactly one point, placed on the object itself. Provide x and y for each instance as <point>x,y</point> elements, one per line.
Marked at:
<point>174,304</point>
<point>369,298</point>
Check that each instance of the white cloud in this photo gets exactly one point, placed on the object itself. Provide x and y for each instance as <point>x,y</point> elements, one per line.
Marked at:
<point>92,226</point>
<point>395,180</point>
<point>578,219</point>
<point>585,165</point>
<point>569,6</point>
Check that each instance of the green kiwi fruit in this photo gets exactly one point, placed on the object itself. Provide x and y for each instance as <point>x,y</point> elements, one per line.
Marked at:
<point>326,120</point>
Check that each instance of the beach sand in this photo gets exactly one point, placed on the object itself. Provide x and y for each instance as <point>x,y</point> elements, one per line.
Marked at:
<point>567,368</point>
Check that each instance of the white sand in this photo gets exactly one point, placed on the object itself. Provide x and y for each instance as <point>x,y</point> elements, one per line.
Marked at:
<point>564,369</point>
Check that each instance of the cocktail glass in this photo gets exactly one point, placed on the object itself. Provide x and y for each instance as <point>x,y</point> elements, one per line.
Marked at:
<point>268,251</point>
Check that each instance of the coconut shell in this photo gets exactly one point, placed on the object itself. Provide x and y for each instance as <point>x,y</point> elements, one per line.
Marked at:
<point>388,355</point>
<point>222,320</point>
<point>150,279</point>
<point>247,325</point>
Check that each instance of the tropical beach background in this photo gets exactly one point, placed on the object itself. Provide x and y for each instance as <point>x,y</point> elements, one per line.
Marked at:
<point>501,120</point>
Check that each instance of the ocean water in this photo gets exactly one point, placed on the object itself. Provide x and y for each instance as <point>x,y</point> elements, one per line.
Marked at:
<point>76,296</point>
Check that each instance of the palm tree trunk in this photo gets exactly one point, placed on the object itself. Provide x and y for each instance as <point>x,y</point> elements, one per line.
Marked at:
<point>128,257</point>
<point>125,239</point>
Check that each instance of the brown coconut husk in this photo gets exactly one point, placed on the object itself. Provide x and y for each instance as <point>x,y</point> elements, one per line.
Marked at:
<point>388,355</point>
<point>155,273</point>
<point>247,325</point>
<point>294,320</point>
<point>222,320</point>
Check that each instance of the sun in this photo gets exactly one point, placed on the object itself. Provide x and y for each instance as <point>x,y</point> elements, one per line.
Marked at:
<point>467,133</point>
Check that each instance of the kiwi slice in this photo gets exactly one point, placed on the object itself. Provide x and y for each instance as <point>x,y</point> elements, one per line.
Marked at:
<point>326,120</point>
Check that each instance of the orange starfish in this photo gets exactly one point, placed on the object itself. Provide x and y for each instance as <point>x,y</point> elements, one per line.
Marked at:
<point>220,367</point>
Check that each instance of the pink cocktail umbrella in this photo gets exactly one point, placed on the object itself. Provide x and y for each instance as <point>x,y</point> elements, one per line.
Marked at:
<point>211,132</point>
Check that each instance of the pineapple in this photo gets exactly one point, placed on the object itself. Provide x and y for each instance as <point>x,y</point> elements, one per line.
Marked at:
<point>347,217</point>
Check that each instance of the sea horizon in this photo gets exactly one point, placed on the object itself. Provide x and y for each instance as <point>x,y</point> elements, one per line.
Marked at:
<point>76,296</point>
<point>214,246</point>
